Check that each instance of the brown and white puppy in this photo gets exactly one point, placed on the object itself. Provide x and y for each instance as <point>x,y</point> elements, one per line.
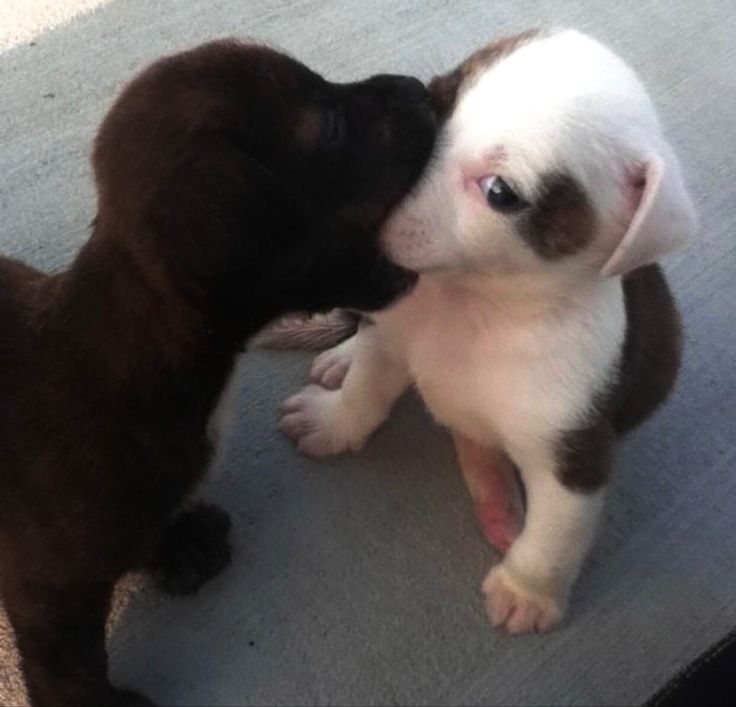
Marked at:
<point>234,185</point>
<point>540,330</point>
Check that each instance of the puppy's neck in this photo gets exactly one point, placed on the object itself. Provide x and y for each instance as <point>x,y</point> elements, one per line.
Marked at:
<point>122,320</point>
<point>526,296</point>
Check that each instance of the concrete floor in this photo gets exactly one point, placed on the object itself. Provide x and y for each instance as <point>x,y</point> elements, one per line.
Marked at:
<point>357,581</point>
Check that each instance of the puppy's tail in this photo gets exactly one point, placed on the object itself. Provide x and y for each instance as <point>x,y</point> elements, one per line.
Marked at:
<point>313,333</point>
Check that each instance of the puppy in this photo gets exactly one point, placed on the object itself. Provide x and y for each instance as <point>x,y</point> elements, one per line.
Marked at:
<point>234,185</point>
<point>540,330</point>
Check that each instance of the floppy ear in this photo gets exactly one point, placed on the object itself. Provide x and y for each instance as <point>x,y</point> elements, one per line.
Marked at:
<point>220,213</point>
<point>443,92</point>
<point>663,217</point>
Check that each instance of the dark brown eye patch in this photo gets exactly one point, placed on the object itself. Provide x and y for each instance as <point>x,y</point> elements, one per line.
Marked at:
<point>561,221</point>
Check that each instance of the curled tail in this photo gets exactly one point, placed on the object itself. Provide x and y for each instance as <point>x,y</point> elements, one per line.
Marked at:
<point>311,332</point>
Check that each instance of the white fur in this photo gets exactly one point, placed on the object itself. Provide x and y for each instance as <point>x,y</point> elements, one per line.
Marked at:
<point>561,103</point>
<point>505,347</point>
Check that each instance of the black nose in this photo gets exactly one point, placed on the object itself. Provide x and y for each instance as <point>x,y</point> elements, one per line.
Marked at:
<point>407,88</point>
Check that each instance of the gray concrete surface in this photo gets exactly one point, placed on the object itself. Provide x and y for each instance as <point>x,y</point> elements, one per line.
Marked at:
<point>357,581</point>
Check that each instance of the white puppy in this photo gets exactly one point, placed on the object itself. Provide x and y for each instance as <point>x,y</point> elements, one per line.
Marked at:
<point>535,333</point>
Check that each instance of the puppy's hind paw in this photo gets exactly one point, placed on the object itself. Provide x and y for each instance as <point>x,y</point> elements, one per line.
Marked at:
<point>194,549</point>
<point>312,420</point>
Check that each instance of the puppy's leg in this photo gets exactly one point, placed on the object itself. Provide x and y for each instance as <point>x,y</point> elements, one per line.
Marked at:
<point>60,634</point>
<point>323,422</point>
<point>330,367</point>
<point>528,591</point>
<point>491,479</point>
<point>193,549</point>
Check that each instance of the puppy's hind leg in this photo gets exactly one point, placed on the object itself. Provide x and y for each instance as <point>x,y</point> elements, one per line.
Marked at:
<point>193,549</point>
<point>60,634</point>
<point>322,422</point>
<point>494,487</point>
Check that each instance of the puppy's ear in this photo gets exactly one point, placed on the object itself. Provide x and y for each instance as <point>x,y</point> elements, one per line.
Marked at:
<point>662,216</point>
<point>221,213</point>
<point>443,92</point>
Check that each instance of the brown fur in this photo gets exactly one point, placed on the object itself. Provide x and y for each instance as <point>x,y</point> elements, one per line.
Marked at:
<point>561,221</point>
<point>217,212</point>
<point>446,88</point>
<point>650,361</point>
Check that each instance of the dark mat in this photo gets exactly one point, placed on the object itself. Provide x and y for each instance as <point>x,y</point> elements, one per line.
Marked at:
<point>710,680</point>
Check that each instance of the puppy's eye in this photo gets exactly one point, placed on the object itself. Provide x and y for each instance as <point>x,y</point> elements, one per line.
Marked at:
<point>499,195</point>
<point>332,129</point>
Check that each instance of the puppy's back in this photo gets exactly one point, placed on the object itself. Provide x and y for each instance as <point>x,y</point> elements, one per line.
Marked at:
<point>652,350</point>
<point>21,292</point>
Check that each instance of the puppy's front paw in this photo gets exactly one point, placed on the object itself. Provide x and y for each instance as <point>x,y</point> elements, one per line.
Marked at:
<point>315,422</point>
<point>194,549</point>
<point>330,367</point>
<point>516,608</point>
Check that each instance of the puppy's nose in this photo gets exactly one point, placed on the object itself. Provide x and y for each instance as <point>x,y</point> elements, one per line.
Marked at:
<point>407,88</point>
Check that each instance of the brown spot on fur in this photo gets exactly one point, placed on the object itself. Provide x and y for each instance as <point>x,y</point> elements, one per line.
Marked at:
<point>561,221</point>
<point>445,89</point>
<point>652,350</point>
<point>585,457</point>
<point>650,360</point>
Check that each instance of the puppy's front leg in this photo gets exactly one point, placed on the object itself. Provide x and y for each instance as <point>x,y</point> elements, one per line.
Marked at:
<point>330,367</point>
<point>528,591</point>
<point>323,422</point>
<point>192,549</point>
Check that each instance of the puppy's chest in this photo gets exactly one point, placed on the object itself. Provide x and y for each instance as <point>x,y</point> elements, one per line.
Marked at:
<point>473,383</point>
<point>492,377</point>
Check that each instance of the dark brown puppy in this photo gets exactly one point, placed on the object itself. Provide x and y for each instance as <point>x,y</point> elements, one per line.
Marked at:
<point>234,185</point>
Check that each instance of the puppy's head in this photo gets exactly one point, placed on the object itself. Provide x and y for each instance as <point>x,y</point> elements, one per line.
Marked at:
<point>252,178</point>
<point>551,159</point>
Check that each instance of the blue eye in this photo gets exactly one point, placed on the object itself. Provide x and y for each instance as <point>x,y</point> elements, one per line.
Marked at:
<point>499,195</point>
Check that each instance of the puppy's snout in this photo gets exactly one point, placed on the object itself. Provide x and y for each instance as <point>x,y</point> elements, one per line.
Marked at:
<point>405,88</point>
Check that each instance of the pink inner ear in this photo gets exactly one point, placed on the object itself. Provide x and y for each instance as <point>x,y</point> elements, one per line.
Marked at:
<point>661,216</point>
<point>636,182</point>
